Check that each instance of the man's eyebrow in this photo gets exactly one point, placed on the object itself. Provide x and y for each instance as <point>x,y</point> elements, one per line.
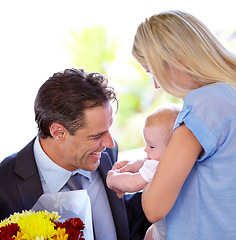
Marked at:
<point>96,135</point>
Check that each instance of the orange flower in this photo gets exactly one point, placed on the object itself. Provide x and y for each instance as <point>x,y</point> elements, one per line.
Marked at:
<point>61,234</point>
<point>18,236</point>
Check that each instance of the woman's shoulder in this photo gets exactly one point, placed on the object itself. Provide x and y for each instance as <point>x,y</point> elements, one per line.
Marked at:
<point>212,88</point>
<point>209,112</point>
<point>212,105</point>
<point>211,95</point>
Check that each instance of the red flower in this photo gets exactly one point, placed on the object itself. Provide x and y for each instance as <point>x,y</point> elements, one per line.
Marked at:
<point>74,227</point>
<point>8,231</point>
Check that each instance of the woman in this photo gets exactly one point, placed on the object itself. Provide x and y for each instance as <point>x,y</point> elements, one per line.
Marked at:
<point>195,181</point>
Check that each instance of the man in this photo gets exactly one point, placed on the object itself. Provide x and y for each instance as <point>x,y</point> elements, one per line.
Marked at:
<point>73,113</point>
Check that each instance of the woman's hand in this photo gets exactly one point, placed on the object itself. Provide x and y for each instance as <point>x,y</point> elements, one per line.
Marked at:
<point>128,166</point>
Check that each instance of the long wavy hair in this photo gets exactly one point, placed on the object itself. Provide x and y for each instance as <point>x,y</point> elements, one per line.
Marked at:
<point>178,40</point>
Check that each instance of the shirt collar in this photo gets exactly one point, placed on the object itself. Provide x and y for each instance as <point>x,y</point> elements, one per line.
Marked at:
<point>84,173</point>
<point>54,176</point>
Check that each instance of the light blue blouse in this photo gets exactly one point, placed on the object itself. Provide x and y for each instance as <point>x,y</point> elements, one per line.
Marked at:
<point>206,206</point>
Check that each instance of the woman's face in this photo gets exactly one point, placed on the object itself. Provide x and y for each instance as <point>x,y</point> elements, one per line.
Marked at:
<point>182,79</point>
<point>179,77</point>
<point>156,85</point>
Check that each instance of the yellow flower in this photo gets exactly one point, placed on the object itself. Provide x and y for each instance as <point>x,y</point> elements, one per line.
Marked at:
<point>53,216</point>
<point>4,222</point>
<point>40,225</point>
<point>15,217</point>
<point>36,226</point>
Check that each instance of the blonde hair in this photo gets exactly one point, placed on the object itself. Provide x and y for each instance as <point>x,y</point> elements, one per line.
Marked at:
<point>164,116</point>
<point>178,40</point>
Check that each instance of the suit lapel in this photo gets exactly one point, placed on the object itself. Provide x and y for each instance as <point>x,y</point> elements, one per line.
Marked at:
<point>30,188</point>
<point>117,205</point>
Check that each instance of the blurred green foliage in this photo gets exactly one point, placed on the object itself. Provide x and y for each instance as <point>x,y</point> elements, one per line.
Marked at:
<point>93,50</point>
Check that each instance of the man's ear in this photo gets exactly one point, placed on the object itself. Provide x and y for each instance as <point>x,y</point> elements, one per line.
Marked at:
<point>58,131</point>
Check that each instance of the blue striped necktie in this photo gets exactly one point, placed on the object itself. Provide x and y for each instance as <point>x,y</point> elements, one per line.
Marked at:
<point>74,182</point>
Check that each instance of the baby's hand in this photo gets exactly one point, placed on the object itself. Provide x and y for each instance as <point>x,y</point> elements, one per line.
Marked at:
<point>119,193</point>
<point>110,174</point>
<point>109,180</point>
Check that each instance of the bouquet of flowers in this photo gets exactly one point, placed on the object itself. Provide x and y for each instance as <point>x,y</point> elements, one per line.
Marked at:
<point>42,225</point>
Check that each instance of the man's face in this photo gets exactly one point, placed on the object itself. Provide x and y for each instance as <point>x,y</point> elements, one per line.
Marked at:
<point>83,150</point>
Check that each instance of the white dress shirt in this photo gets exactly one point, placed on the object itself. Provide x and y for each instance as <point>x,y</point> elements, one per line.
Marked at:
<point>54,178</point>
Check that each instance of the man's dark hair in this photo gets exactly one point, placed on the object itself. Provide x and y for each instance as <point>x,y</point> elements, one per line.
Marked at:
<point>64,97</point>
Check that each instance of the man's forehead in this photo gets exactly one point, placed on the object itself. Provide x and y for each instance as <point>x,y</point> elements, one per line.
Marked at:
<point>98,119</point>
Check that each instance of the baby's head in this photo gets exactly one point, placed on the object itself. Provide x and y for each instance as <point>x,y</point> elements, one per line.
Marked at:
<point>158,129</point>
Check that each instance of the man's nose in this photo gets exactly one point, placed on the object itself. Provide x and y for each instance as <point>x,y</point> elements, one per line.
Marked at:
<point>107,140</point>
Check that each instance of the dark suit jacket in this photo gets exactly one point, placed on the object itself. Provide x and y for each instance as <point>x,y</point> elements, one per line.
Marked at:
<point>20,188</point>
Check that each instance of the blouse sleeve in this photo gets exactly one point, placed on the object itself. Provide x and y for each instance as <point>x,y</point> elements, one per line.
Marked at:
<point>206,138</point>
<point>209,116</point>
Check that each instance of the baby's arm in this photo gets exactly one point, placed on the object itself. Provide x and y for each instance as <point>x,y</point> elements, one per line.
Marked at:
<point>126,181</point>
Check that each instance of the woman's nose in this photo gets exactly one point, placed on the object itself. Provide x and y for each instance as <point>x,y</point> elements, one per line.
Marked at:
<point>156,85</point>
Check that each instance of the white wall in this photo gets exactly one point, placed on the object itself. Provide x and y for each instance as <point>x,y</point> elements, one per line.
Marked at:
<point>32,46</point>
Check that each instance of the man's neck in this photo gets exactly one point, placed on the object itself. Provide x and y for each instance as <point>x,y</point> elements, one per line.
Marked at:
<point>53,151</point>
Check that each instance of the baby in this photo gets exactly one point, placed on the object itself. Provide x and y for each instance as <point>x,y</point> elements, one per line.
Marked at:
<point>157,133</point>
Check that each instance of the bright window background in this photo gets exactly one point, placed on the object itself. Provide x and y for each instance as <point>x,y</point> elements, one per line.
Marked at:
<point>33,46</point>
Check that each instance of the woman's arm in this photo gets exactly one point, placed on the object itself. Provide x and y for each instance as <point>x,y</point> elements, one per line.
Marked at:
<point>175,165</point>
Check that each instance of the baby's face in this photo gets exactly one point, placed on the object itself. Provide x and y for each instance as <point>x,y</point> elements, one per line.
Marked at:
<point>155,144</point>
